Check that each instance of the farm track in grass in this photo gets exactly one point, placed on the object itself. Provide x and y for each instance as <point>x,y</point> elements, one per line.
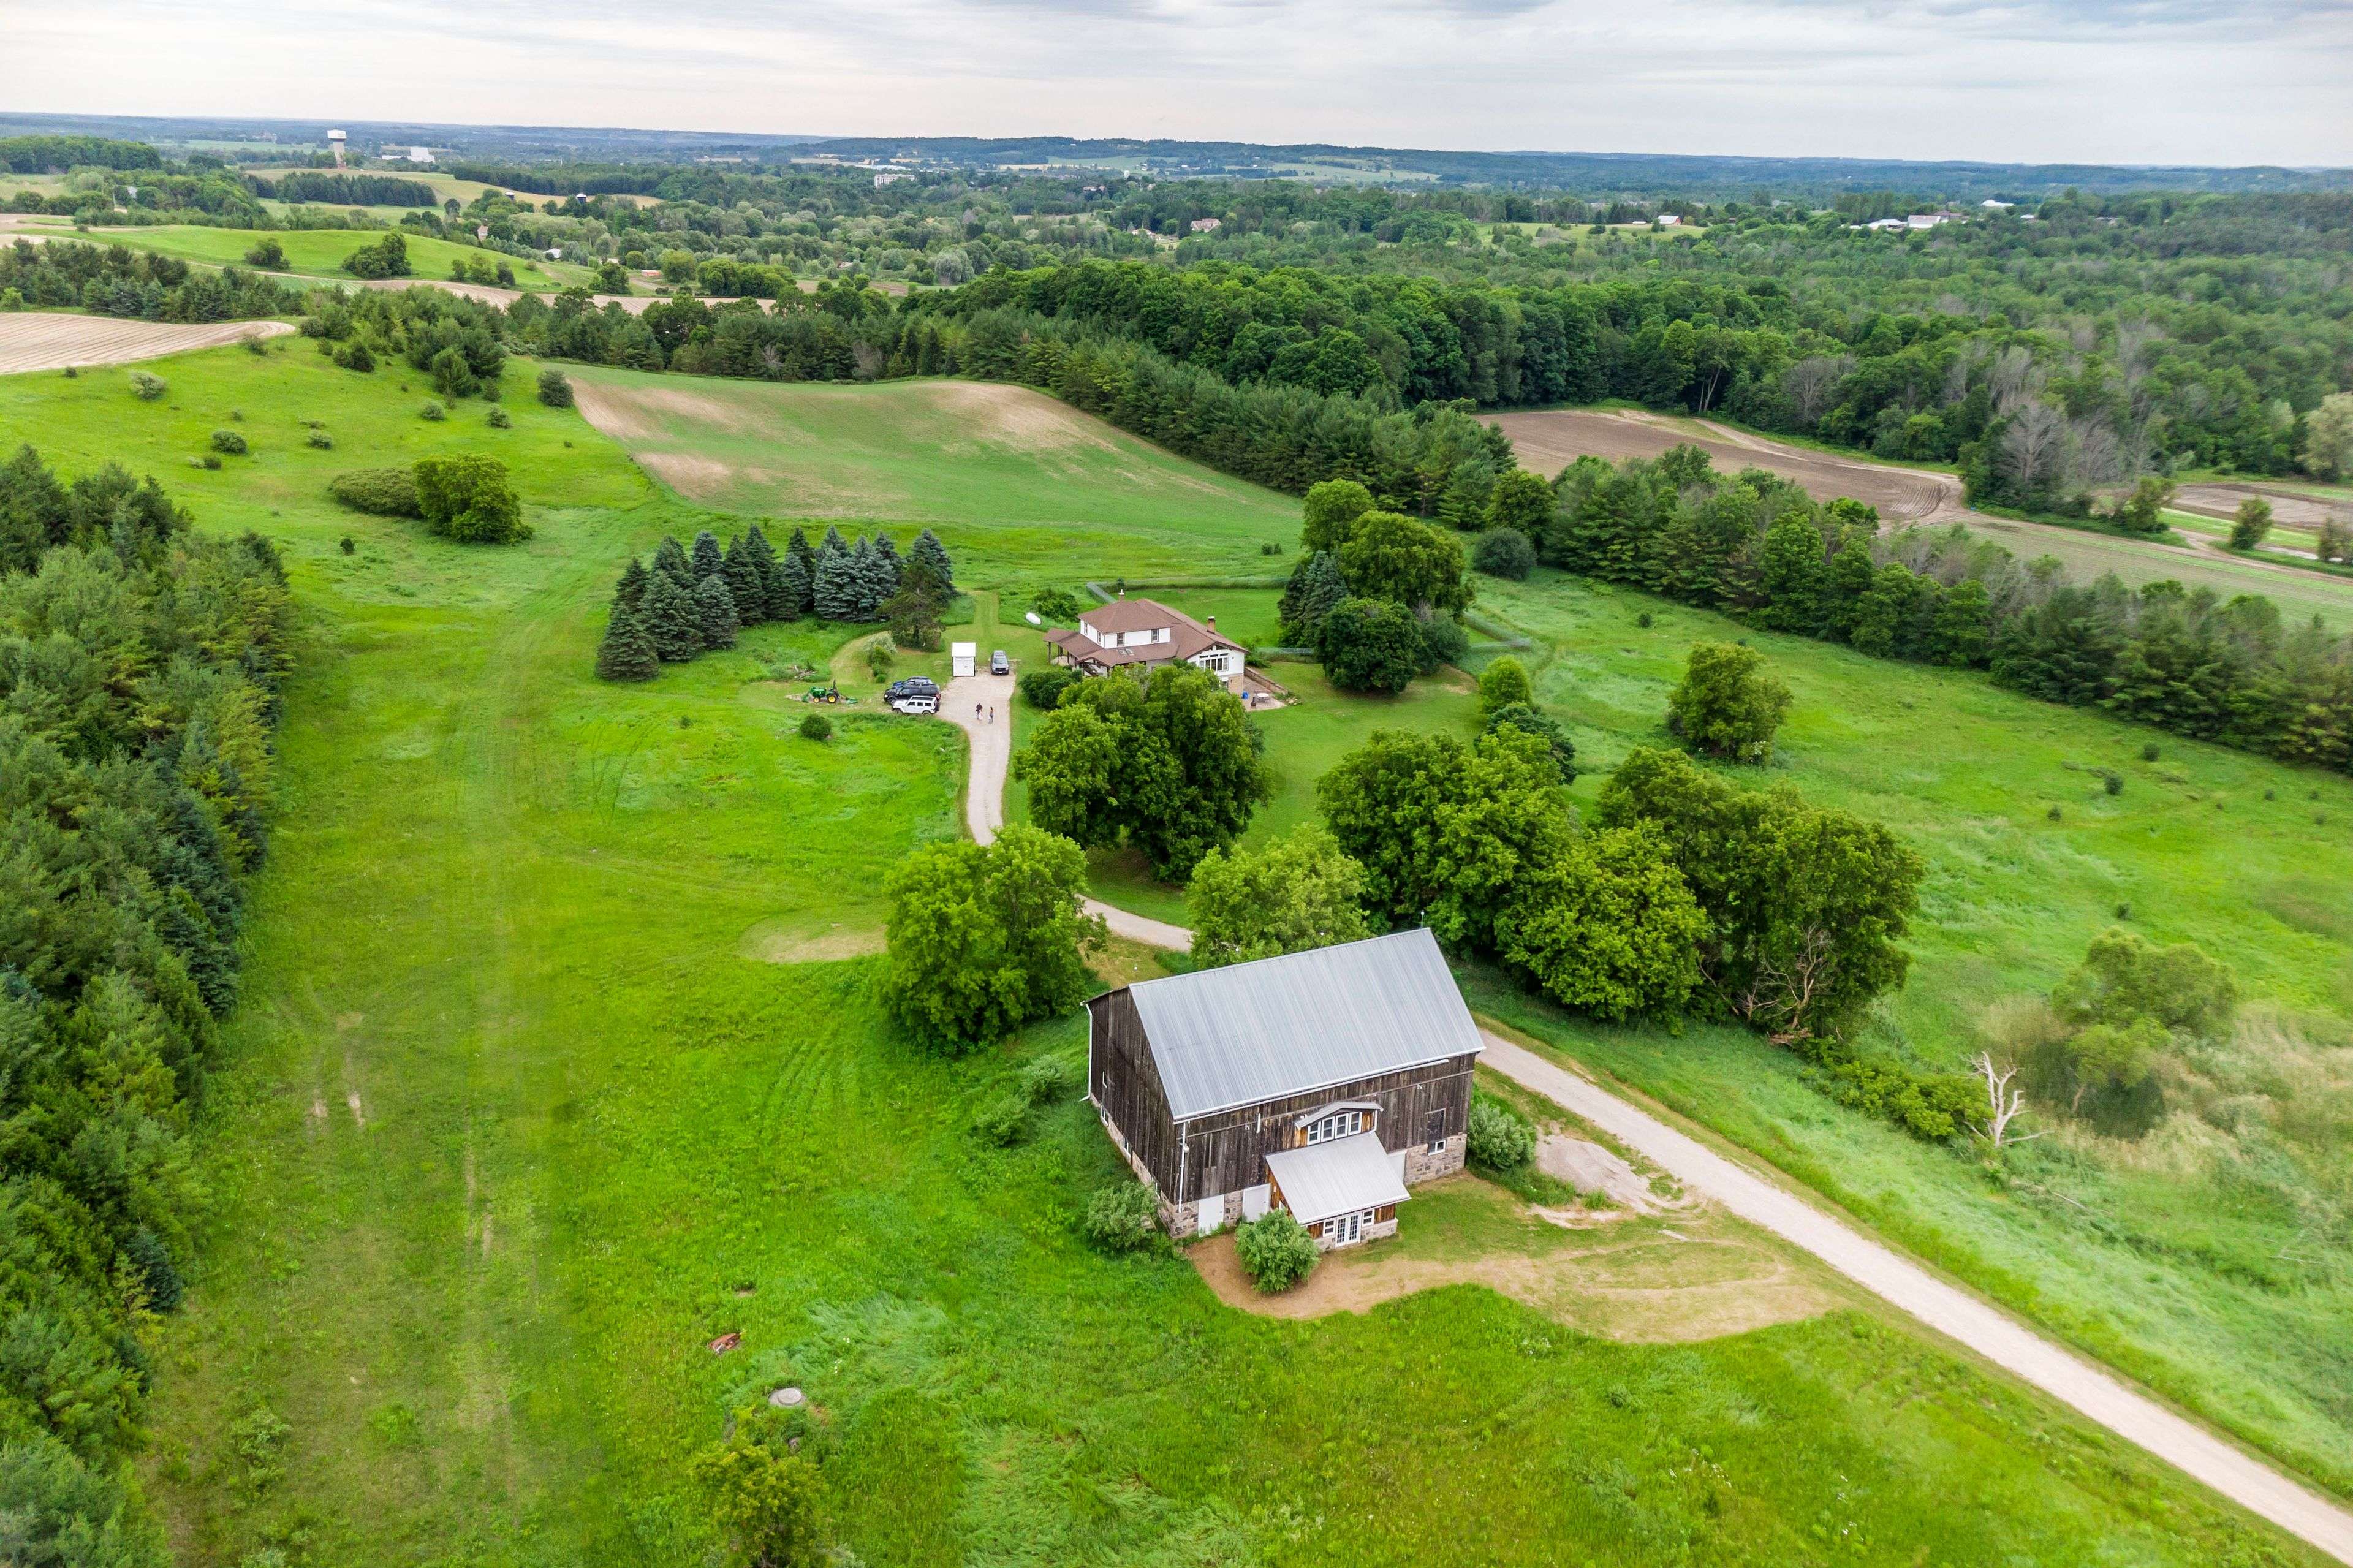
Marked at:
<point>1549,440</point>
<point>505,1132</point>
<point>44,340</point>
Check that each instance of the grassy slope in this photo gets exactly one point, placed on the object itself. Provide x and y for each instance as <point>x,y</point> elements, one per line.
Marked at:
<point>319,253</point>
<point>2207,1264</point>
<point>504,1130</point>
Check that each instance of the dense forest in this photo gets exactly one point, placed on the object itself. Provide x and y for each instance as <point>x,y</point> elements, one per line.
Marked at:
<point>114,281</point>
<point>140,665</point>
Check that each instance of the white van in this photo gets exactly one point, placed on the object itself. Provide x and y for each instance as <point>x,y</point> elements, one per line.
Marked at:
<point>915,703</point>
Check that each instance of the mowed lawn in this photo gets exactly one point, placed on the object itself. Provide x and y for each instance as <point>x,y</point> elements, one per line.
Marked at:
<point>2207,1259</point>
<point>320,252</point>
<point>1042,490</point>
<point>506,1132</point>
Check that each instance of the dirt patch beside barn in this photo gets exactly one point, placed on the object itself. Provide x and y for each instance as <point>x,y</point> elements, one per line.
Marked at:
<point>1643,1281</point>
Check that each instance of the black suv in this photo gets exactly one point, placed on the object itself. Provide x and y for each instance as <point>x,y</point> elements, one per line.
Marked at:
<point>913,686</point>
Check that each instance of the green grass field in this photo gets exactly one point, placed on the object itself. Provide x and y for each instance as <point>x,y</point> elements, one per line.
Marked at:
<point>320,252</point>
<point>2206,1258</point>
<point>506,1130</point>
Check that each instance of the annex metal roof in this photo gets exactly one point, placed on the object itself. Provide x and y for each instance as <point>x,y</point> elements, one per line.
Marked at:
<point>1339,1177</point>
<point>1258,1031</point>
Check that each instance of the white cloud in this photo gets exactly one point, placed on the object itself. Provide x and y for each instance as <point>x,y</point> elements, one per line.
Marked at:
<point>2105,81</point>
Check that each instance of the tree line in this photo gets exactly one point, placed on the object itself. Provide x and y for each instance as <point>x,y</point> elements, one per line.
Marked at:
<point>2232,671</point>
<point>694,600</point>
<point>113,280</point>
<point>140,666</point>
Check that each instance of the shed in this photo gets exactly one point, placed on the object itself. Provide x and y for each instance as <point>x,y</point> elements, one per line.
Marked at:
<point>964,655</point>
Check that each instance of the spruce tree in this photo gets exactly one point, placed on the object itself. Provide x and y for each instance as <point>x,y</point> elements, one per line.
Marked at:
<point>671,620</point>
<point>832,540</point>
<point>834,591</point>
<point>892,565</point>
<point>869,575</point>
<point>630,591</point>
<point>798,547</point>
<point>743,581</point>
<point>714,607</point>
<point>928,549</point>
<point>788,588</point>
<point>627,651</point>
<point>709,561</point>
<point>670,560</point>
<point>764,571</point>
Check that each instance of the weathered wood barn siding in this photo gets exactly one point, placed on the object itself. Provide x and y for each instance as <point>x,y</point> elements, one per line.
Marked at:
<point>1126,1086</point>
<point>1226,1150</point>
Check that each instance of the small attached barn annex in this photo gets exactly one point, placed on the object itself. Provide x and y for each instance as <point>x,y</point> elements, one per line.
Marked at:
<point>1324,1082</point>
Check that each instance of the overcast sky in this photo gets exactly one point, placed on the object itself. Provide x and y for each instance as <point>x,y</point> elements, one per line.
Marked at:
<point>2137,81</point>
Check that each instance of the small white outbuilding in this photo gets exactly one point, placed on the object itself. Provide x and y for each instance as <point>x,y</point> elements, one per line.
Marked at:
<point>963,654</point>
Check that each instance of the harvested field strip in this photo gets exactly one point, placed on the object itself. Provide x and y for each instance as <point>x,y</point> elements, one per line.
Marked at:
<point>1550,440</point>
<point>41,341</point>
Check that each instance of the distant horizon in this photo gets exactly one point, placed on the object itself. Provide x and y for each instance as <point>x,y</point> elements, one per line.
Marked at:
<point>785,138</point>
<point>2118,83</point>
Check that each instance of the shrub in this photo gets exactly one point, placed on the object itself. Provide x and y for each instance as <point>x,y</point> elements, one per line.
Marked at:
<point>320,440</point>
<point>1443,642</point>
<point>380,493</point>
<point>1123,1218</point>
<point>816,727</point>
<point>433,410</point>
<point>350,545</point>
<point>354,355</point>
<point>147,387</point>
<point>209,461</point>
<point>1045,1079</point>
<point>1276,1252</point>
<point>268,254</point>
<point>1501,684</point>
<point>1055,607</point>
<point>1043,688</point>
<point>1499,1139</point>
<point>230,442</point>
<point>879,655</point>
<point>554,389</point>
<point>1003,1121</point>
<point>1504,552</point>
<point>499,418</point>
<point>12,299</point>
<point>1726,704</point>
<point>470,499</point>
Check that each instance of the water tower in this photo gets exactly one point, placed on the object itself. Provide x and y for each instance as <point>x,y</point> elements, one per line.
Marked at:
<point>335,142</point>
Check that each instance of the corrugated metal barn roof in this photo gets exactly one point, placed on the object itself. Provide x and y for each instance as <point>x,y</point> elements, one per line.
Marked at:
<point>1252,1032</point>
<point>1338,1177</point>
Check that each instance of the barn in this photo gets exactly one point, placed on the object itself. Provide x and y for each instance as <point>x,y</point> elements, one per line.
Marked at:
<point>1324,1082</point>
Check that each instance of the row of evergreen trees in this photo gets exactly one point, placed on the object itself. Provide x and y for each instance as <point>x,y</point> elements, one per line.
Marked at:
<point>693,600</point>
<point>140,665</point>
<point>1756,546</point>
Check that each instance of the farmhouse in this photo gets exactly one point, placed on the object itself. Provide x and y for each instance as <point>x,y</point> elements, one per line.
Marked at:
<point>1325,1083</point>
<point>1139,633</point>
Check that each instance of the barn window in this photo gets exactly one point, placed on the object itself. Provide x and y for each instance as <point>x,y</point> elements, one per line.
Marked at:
<point>1339,1124</point>
<point>1433,1131</point>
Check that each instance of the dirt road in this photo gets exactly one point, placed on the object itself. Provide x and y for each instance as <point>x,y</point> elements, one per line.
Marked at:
<point>42,340</point>
<point>2090,1390</point>
<point>984,793</point>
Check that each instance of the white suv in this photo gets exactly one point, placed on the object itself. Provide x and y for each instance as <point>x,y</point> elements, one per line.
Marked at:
<point>915,703</point>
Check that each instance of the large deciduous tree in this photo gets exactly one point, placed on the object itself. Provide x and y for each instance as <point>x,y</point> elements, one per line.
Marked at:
<point>1298,892</point>
<point>1726,704</point>
<point>1390,556</point>
<point>1169,766</point>
<point>986,938</point>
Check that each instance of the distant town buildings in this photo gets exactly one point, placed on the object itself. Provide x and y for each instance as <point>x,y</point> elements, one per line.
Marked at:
<point>1204,224</point>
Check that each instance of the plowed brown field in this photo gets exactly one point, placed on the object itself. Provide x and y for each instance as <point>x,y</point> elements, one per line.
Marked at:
<point>42,340</point>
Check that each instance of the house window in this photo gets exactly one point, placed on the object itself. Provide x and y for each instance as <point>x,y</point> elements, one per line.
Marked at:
<point>1348,1227</point>
<point>1339,1124</point>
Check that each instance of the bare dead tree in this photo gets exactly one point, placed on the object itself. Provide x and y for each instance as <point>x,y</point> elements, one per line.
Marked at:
<point>2034,445</point>
<point>1809,385</point>
<point>2003,1103</point>
<point>2013,379</point>
<point>1781,994</point>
